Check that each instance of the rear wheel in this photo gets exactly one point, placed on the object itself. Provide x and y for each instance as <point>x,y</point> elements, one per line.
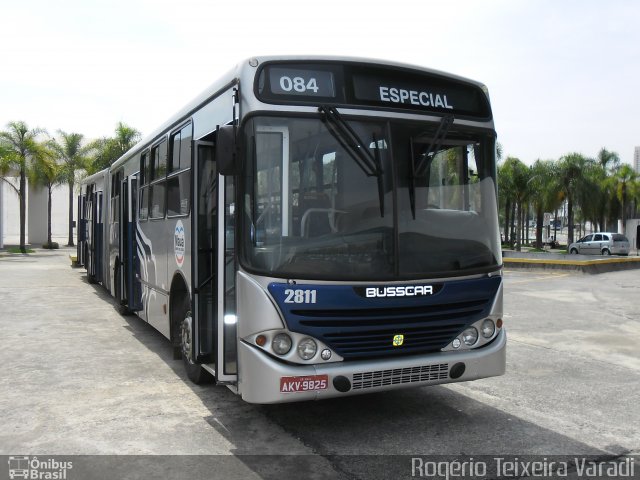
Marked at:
<point>606,252</point>
<point>195,372</point>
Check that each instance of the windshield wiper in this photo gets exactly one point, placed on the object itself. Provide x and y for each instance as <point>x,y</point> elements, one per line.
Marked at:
<point>347,137</point>
<point>421,169</point>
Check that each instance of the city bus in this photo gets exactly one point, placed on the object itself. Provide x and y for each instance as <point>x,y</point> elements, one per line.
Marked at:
<point>310,228</point>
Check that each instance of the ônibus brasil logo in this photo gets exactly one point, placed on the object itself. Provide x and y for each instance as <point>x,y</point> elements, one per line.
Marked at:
<point>178,243</point>
<point>34,468</point>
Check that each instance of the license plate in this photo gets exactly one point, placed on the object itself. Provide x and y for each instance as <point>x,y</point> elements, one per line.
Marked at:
<point>303,384</point>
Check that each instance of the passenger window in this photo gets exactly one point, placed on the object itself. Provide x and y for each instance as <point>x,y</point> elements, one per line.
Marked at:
<point>605,238</point>
<point>143,211</point>
<point>175,152</point>
<point>178,194</point>
<point>159,156</point>
<point>145,168</point>
<point>157,200</point>
<point>597,238</point>
<point>181,149</point>
<point>588,238</point>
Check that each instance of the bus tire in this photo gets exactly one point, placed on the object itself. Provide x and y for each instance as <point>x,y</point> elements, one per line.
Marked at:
<point>195,372</point>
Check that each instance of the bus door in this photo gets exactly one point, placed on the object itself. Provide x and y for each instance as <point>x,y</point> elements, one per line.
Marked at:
<point>82,229</point>
<point>90,238</point>
<point>98,237</point>
<point>131,288</point>
<point>203,249</point>
<point>227,328</point>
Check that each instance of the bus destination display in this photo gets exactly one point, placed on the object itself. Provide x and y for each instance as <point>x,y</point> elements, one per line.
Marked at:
<point>372,87</point>
<point>295,81</point>
<point>419,93</point>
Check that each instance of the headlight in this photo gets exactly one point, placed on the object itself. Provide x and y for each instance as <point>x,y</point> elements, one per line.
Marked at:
<point>470,336</point>
<point>488,328</point>
<point>307,348</point>
<point>281,344</point>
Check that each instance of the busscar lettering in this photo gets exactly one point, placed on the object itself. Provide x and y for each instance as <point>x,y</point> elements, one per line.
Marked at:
<point>414,97</point>
<point>400,291</point>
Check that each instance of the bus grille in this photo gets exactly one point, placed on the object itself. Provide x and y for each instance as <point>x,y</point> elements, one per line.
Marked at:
<point>358,327</point>
<point>357,334</point>
<point>396,376</point>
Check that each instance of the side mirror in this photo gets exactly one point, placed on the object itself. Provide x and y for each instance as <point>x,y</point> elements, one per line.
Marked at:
<point>227,150</point>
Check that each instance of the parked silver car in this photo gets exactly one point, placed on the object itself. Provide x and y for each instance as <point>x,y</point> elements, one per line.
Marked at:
<point>601,243</point>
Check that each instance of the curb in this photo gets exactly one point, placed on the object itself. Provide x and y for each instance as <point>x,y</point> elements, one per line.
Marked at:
<point>599,265</point>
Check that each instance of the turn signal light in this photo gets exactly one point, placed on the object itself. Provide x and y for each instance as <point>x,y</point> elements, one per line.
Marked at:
<point>499,323</point>
<point>261,340</point>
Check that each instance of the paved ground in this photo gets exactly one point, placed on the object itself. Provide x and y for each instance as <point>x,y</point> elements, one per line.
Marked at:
<point>78,378</point>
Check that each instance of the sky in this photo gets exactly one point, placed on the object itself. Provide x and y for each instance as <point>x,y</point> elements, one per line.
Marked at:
<point>564,76</point>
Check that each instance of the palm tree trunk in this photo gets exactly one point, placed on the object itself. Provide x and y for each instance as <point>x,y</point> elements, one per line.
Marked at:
<point>570,220</point>
<point>512,235</point>
<point>49,219</point>
<point>507,210</point>
<point>70,242</point>
<point>539,222</point>
<point>624,209</point>
<point>23,209</point>
<point>519,228</point>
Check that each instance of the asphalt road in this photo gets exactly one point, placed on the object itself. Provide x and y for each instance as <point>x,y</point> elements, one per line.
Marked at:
<point>77,378</point>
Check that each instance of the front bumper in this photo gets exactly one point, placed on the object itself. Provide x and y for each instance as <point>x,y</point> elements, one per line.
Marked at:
<point>259,375</point>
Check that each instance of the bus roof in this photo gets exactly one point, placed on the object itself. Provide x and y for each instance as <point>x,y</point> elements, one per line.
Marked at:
<point>249,66</point>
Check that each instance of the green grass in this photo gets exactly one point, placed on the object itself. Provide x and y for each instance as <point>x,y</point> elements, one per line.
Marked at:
<point>17,250</point>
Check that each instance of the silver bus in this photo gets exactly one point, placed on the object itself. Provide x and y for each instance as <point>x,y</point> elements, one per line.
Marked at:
<point>310,228</point>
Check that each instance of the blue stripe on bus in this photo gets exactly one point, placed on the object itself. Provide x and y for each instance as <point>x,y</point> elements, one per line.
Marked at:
<point>356,326</point>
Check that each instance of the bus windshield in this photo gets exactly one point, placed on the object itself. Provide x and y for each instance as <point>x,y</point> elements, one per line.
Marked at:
<point>372,200</point>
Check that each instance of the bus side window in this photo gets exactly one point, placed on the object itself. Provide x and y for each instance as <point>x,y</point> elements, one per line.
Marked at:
<point>116,180</point>
<point>179,185</point>
<point>159,155</point>
<point>157,200</point>
<point>145,176</point>
<point>157,194</point>
<point>143,206</point>
<point>178,193</point>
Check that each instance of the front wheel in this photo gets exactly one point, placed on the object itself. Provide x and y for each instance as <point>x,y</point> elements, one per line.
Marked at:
<point>574,251</point>
<point>195,372</point>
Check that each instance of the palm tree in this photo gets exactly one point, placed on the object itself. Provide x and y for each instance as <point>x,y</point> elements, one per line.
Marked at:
<point>610,161</point>
<point>544,192</point>
<point>512,185</point>
<point>625,184</point>
<point>521,174</point>
<point>572,183</point>
<point>19,146</point>
<point>505,193</point>
<point>107,150</point>
<point>45,171</point>
<point>73,156</point>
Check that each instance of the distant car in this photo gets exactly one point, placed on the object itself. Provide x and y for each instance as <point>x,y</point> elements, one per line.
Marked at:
<point>601,243</point>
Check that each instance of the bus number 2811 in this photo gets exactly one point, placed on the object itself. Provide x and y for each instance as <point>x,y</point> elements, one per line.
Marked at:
<point>300,296</point>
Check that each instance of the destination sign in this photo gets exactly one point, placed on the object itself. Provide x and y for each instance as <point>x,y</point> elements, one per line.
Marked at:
<point>301,82</point>
<point>420,94</point>
<point>376,86</point>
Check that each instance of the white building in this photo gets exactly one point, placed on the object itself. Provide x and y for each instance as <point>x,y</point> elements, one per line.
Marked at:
<point>636,159</point>
<point>36,225</point>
